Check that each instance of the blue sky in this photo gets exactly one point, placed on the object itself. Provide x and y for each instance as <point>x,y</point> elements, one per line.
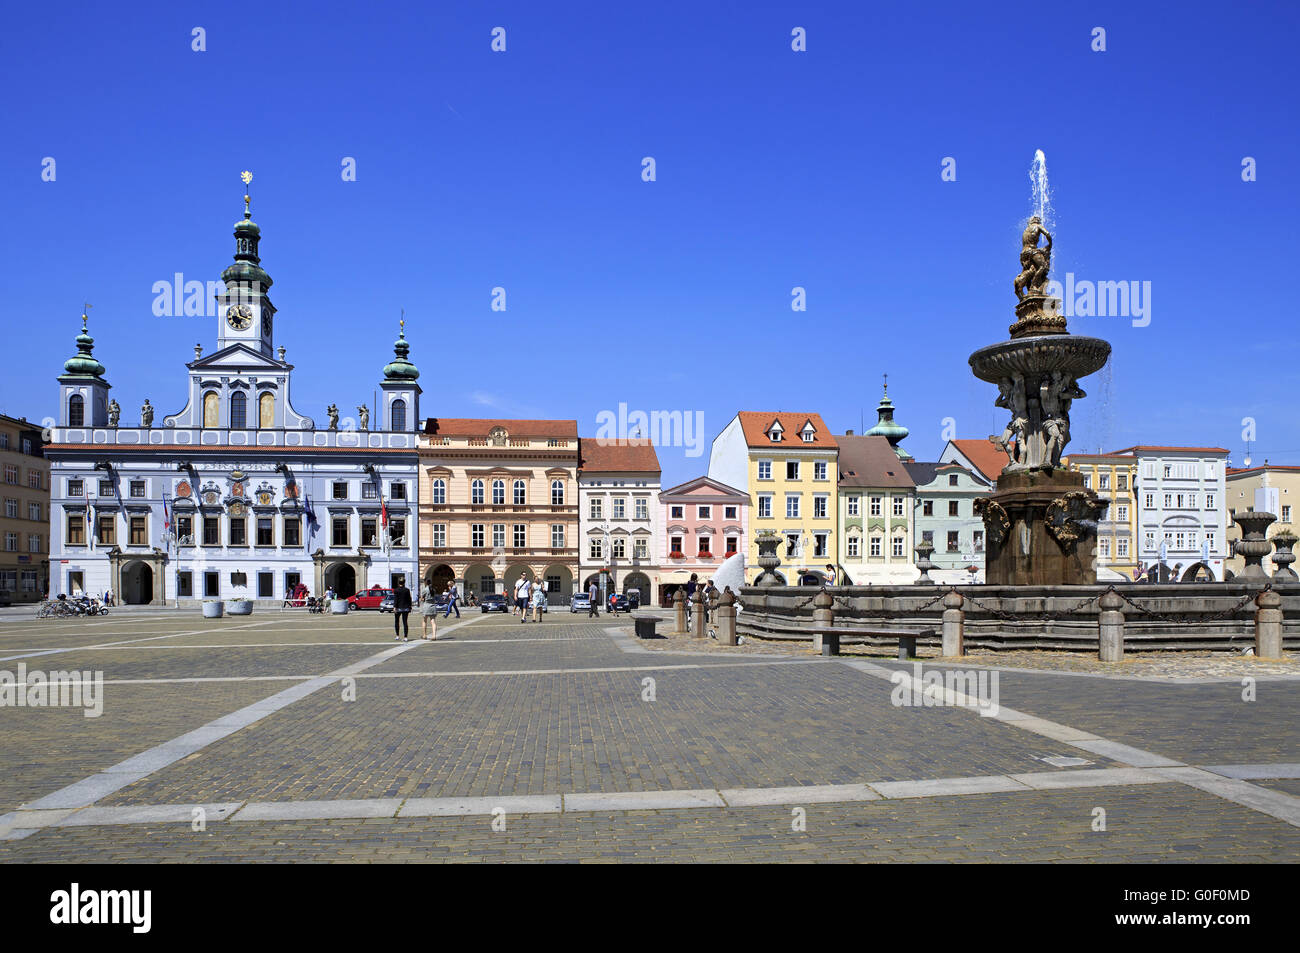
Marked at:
<point>775,169</point>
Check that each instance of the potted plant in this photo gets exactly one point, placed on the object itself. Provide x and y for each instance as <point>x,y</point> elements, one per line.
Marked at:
<point>240,607</point>
<point>339,606</point>
<point>213,608</point>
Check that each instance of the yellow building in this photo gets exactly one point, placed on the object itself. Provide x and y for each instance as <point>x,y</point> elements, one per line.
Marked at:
<point>1111,477</point>
<point>1240,486</point>
<point>788,464</point>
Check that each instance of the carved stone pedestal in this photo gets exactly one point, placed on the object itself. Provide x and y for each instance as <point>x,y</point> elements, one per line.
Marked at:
<point>1041,529</point>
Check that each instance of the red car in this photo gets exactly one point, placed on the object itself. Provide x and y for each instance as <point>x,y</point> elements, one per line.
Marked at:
<point>369,598</point>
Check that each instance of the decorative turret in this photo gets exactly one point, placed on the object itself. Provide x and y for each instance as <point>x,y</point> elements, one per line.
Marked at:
<point>885,426</point>
<point>399,368</point>
<point>83,364</point>
<point>401,401</point>
<point>83,392</point>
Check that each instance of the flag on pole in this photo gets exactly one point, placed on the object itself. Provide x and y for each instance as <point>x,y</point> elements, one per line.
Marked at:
<point>311,514</point>
<point>167,517</point>
<point>383,522</point>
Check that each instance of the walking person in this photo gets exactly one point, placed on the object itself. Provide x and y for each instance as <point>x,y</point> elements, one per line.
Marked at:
<point>452,593</point>
<point>401,613</point>
<point>539,600</point>
<point>428,613</point>
<point>521,598</point>
<point>593,597</point>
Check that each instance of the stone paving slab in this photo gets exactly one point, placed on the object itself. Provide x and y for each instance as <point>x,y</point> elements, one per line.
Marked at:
<point>227,662</point>
<point>1164,824</point>
<point>1196,724</point>
<point>482,736</point>
<point>45,749</point>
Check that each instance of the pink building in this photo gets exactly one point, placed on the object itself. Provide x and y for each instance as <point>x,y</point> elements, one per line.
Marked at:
<point>704,522</point>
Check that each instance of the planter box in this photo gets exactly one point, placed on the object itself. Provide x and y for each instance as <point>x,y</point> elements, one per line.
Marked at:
<point>339,607</point>
<point>240,607</point>
<point>213,610</point>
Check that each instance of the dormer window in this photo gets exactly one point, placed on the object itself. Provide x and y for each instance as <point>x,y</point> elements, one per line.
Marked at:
<point>775,432</point>
<point>808,432</point>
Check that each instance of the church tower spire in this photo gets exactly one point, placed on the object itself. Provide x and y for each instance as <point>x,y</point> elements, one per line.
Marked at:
<point>245,312</point>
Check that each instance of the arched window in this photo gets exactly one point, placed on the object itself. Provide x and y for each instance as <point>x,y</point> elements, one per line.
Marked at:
<point>238,411</point>
<point>266,410</point>
<point>76,411</point>
<point>439,491</point>
<point>498,492</point>
<point>211,410</point>
<point>557,492</point>
<point>476,492</point>
<point>520,495</point>
<point>397,417</point>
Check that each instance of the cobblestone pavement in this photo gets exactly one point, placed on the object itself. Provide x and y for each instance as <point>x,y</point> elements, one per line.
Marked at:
<point>321,739</point>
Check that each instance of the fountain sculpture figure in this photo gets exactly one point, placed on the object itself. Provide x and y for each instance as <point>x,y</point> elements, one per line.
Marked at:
<point>1041,521</point>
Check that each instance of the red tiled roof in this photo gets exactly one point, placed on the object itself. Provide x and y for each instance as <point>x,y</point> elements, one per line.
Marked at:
<point>986,458</point>
<point>1184,449</point>
<point>479,427</point>
<point>756,423</point>
<point>617,456</point>
<point>1237,471</point>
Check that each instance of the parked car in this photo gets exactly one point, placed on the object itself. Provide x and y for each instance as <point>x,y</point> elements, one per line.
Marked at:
<point>387,604</point>
<point>581,602</point>
<point>618,602</point>
<point>493,602</point>
<point>371,598</point>
<point>634,598</point>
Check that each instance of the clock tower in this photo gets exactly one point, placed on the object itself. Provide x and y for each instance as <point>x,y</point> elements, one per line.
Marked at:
<point>245,314</point>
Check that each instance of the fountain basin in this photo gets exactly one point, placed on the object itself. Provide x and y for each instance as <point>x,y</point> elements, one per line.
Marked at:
<point>1035,356</point>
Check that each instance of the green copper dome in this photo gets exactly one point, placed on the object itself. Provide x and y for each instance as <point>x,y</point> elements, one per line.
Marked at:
<point>400,369</point>
<point>83,363</point>
<point>885,426</point>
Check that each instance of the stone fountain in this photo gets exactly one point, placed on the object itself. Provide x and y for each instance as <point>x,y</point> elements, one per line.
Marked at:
<point>1040,522</point>
<point>1254,544</point>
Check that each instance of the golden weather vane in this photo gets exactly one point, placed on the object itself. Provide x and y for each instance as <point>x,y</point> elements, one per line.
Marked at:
<point>85,314</point>
<point>247,177</point>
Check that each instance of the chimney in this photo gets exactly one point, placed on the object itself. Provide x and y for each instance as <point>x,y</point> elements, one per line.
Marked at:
<point>848,433</point>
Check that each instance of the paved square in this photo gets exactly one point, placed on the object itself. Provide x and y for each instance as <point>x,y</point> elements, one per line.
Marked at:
<point>288,736</point>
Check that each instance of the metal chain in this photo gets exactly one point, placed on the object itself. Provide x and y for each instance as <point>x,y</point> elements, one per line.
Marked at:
<point>1045,617</point>
<point>1216,617</point>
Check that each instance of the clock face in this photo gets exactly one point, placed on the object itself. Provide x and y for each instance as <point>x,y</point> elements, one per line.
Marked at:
<point>239,317</point>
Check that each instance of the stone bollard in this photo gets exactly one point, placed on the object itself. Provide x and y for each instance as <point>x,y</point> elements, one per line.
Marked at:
<point>1268,625</point>
<point>679,612</point>
<point>697,614</point>
<point>954,624</point>
<point>822,615</point>
<point>1110,626</point>
<point>727,618</point>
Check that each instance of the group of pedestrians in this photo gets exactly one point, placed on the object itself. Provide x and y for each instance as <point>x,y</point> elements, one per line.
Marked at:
<point>403,604</point>
<point>529,596</point>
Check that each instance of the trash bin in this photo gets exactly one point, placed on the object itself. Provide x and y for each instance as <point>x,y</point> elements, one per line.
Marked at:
<point>645,628</point>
